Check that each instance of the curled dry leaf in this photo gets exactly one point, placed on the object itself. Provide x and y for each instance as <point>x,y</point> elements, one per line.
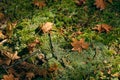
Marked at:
<point>53,68</point>
<point>79,2</point>
<point>102,27</point>
<point>30,75</point>
<point>9,77</point>
<point>39,4</point>
<point>10,57</point>
<point>47,27</point>
<point>79,45</point>
<point>1,16</point>
<point>76,33</point>
<point>9,28</point>
<point>100,4</point>
<point>2,36</point>
<point>32,45</point>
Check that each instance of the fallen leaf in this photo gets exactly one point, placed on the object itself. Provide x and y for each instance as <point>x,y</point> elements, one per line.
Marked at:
<point>1,16</point>
<point>102,27</point>
<point>47,27</point>
<point>30,75</point>
<point>9,77</point>
<point>53,68</point>
<point>11,57</point>
<point>79,2</point>
<point>117,74</point>
<point>2,36</point>
<point>79,45</point>
<point>76,33</point>
<point>39,4</point>
<point>100,4</point>
<point>9,28</point>
<point>110,1</point>
<point>32,45</point>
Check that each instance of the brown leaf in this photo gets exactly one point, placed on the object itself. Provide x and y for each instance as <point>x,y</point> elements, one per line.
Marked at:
<point>1,16</point>
<point>102,27</point>
<point>47,27</point>
<point>39,4</point>
<point>9,29</point>
<point>10,57</point>
<point>100,4</point>
<point>76,33</point>
<point>79,2</point>
<point>79,45</point>
<point>117,74</point>
<point>9,77</point>
<point>30,75</point>
<point>2,36</point>
<point>53,67</point>
<point>32,45</point>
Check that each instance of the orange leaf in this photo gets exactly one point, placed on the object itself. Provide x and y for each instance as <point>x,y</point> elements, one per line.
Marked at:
<point>102,27</point>
<point>47,27</point>
<point>39,4</point>
<point>2,36</point>
<point>100,4</point>
<point>1,16</point>
<point>10,57</point>
<point>30,75</point>
<point>32,45</point>
<point>79,45</point>
<point>9,77</point>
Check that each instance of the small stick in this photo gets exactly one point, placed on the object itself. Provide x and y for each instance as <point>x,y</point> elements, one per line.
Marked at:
<point>51,46</point>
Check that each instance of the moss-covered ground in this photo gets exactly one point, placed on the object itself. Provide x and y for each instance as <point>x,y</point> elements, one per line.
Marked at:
<point>101,61</point>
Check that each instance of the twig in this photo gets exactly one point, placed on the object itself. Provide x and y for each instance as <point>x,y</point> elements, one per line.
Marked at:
<point>21,60</point>
<point>51,46</point>
<point>3,41</point>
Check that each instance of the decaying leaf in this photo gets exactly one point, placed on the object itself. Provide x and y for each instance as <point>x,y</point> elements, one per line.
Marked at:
<point>100,4</point>
<point>102,27</point>
<point>9,28</point>
<point>32,45</point>
<point>47,27</point>
<point>76,33</point>
<point>117,74</point>
<point>53,68</point>
<point>1,16</point>
<point>10,57</point>
<point>79,2</point>
<point>9,77</point>
<point>30,75</point>
<point>2,36</point>
<point>110,1</point>
<point>79,45</point>
<point>39,4</point>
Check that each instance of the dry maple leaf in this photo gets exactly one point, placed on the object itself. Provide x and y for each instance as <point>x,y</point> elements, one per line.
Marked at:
<point>39,4</point>
<point>100,4</point>
<point>79,45</point>
<point>47,27</point>
<point>9,77</point>
<point>30,75</point>
<point>102,27</point>
<point>79,2</point>
<point>11,57</point>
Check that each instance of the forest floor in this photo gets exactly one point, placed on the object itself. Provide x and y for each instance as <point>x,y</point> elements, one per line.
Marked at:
<point>59,40</point>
